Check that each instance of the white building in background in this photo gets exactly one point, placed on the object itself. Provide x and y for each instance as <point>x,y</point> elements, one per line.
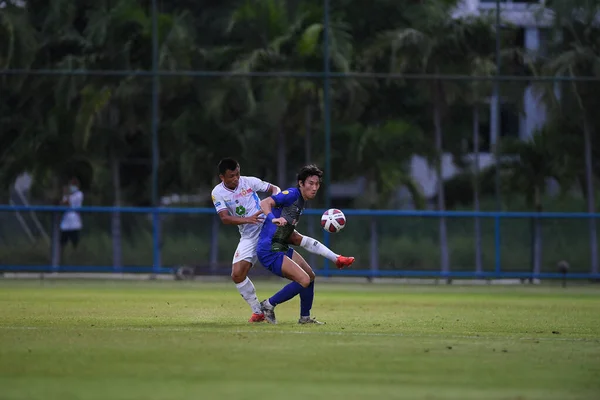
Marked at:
<point>532,22</point>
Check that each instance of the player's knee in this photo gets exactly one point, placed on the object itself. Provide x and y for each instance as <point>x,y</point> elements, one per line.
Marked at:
<point>304,281</point>
<point>239,272</point>
<point>238,276</point>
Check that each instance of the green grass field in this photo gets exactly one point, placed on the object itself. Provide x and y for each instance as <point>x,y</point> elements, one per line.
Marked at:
<point>190,340</point>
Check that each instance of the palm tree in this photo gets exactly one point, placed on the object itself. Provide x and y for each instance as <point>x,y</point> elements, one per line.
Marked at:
<point>386,171</point>
<point>480,90</point>
<point>271,35</point>
<point>18,47</point>
<point>437,44</point>
<point>528,167</point>
<point>95,118</point>
<point>575,54</point>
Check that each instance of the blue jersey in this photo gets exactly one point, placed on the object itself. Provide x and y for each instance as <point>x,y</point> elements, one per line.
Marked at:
<point>289,204</point>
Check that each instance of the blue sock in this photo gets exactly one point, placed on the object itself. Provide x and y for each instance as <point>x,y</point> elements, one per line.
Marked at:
<point>306,299</point>
<point>288,292</point>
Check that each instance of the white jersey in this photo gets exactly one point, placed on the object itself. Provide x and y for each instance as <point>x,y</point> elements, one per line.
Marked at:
<point>241,202</point>
<point>71,221</point>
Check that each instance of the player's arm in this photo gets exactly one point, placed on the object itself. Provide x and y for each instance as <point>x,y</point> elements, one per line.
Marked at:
<point>273,189</point>
<point>259,185</point>
<point>228,219</point>
<point>65,198</point>
<point>282,199</point>
<point>266,206</point>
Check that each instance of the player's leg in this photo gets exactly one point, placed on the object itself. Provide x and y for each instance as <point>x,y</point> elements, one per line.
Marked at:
<point>282,265</point>
<point>314,246</point>
<point>244,258</point>
<point>307,295</point>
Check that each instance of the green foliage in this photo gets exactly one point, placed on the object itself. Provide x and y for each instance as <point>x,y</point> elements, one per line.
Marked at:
<point>49,124</point>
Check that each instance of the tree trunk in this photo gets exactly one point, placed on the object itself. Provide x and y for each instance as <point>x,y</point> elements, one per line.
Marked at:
<point>214,238</point>
<point>374,253</point>
<point>56,217</point>
<point>214,244</point>
<point>56,248</point>
<point>281,158</point>
<point>308,159</point>
<point>441,204</point>
<point>116,231</point>
<point>478,256</point>
<point>307,135</point>
<point>591,202</point>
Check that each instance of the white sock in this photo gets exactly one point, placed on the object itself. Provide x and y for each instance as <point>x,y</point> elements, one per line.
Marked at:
<point>316,247</point>
<point>248,292</point>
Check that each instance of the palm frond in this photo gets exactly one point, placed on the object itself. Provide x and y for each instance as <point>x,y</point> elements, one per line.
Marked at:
<point>309,40</point>
<point>93,100</point>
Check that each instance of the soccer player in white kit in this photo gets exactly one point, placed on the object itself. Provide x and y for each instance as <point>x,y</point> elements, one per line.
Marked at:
<point>237,203</point>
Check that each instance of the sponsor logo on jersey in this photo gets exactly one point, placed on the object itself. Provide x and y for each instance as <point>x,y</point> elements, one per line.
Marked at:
<point>217,204</point>
<point>244,193</point>
<point>286,192</point>
<point>240,210</point>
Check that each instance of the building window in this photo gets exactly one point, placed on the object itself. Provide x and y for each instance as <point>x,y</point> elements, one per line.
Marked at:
<point>509,121</point>
<point>510,125</point>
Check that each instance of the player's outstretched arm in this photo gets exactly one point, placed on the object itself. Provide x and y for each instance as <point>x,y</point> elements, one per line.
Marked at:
<point>258,185</point>
<point>267,205</point>
<point>267,208</point>
<point>228,219</point>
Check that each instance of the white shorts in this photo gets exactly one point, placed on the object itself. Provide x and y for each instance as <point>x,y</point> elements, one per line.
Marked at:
<point>246,250</point>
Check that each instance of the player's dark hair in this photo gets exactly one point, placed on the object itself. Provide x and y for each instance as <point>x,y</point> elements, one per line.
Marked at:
<point>227,164</point>
<point>309,170</point>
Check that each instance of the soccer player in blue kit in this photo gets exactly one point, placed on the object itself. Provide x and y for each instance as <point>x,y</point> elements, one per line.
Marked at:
<point>283,211</point>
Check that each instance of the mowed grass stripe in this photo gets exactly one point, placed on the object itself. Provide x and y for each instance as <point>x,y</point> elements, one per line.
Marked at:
<point>166,340</point>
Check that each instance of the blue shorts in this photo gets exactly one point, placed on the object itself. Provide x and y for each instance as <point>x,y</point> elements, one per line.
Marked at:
<point>273,260</point>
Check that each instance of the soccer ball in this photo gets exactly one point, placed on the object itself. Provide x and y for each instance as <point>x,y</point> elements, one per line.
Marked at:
<point>333,220</point>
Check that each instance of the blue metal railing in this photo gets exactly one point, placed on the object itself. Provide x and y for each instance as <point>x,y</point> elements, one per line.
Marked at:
<point>157,268</point>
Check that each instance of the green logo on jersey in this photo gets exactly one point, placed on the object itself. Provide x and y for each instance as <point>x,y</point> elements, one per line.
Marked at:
<point>240,210</point>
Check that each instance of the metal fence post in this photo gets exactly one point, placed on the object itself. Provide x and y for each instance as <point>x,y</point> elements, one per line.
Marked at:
<point>155,241</point>
<point>55,246</point>
<point>155,148</point>
<point>498,267</point>
<point>374,248</point>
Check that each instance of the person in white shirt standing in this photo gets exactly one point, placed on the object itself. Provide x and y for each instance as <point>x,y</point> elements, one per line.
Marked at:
<point>70,224</point>
<point>237,203</point>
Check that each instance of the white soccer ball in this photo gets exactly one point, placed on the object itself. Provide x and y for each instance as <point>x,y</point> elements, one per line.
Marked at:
<point>333,220</point>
